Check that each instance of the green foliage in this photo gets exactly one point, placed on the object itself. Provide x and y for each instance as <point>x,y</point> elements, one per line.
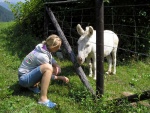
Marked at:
<point>5,15</point>
<point>29,15</point>
<point>25,41</point>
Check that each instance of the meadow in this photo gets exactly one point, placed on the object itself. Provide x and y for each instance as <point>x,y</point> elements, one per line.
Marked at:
<point>132,76</point>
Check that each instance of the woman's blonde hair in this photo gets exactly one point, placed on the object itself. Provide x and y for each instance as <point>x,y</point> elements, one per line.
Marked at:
<point>52,41</point>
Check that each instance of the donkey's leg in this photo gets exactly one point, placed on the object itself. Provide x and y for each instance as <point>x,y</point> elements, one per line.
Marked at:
<point>109,59</point>
<point>114,61</point>
<point>90,66</point>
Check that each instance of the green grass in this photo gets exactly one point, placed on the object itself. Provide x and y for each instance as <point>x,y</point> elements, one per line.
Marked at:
<point>71,98</point>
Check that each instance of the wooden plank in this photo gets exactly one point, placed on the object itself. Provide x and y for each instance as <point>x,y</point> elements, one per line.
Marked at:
<point>133,98</point>
<point>60,2</point>
<point>78,68</point>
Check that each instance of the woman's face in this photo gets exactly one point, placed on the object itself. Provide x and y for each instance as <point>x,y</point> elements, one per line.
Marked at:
<point>54,49</point>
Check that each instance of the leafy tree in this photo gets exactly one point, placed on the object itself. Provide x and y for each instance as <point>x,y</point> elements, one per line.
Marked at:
<point>29,15</point>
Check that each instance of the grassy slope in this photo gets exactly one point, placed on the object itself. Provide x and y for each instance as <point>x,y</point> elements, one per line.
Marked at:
<point>72,97</point>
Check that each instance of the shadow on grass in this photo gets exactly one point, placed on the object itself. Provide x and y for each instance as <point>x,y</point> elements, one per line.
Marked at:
<point>18,41</point>
<point>21,91</point>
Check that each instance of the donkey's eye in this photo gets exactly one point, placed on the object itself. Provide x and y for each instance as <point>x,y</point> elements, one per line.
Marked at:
<point>87,45</point>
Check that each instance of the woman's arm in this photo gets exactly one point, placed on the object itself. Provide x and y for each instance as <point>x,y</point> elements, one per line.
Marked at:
<point>63,78</point>
<point>56,69</point>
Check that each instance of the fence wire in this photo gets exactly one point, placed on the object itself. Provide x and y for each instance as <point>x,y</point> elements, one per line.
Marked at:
<point>131,40</point>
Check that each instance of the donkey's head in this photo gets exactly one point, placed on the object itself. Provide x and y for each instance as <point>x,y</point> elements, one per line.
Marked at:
<point>84,43</point>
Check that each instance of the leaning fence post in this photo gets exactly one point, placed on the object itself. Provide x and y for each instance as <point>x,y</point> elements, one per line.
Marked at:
<point>100,47</point>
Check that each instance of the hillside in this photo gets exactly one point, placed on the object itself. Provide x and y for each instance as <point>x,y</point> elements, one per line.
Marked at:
<point>5,15</point>
<point>5,5</point>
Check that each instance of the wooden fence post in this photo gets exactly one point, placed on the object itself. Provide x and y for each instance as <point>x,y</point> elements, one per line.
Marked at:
<point>100,47</point>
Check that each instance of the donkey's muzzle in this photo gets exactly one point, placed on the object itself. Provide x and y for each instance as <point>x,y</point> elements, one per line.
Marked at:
<point>79,60</point>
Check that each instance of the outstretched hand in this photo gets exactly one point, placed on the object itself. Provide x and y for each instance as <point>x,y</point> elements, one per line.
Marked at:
<point>65,79</point>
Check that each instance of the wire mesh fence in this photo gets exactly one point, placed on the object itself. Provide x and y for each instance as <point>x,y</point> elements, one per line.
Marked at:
<point>132,31</point>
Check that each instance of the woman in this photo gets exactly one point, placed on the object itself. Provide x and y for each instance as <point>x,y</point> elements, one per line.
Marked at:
<point>40,67</point>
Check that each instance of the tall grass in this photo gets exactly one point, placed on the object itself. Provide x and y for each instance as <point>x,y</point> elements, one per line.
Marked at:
<point>71,98</point>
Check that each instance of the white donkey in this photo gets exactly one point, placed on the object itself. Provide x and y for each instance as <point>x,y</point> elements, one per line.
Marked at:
<point>87,48</point>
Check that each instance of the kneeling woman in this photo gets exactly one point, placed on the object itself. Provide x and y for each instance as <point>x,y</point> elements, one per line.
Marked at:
<point>40,67</point>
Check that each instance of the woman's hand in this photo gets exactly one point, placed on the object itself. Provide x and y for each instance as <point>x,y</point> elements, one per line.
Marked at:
<point>56,70</point>
<point>65,79</point>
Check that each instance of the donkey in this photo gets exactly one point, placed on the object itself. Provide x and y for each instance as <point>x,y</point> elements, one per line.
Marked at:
<point>87,48</point>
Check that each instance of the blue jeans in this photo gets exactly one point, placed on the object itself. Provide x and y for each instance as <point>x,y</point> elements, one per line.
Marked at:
<point>31,78</point>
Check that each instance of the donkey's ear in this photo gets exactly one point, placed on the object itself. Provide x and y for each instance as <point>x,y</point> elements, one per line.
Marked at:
<point>80,30</point>
<point>90,30</point>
